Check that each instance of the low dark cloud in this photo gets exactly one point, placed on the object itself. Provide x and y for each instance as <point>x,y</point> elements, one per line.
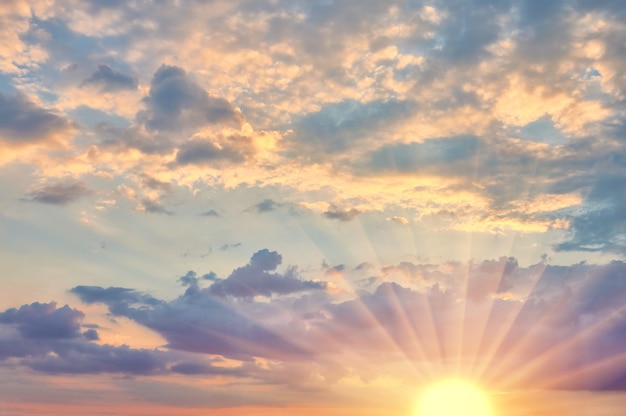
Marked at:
<point>58,194</point>
<point>22,121</point>
<point>335,213</point>
<point>110,80</point>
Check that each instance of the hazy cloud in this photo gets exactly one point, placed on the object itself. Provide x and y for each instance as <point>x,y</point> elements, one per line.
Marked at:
<point>335,213</point>
<point>58,194</point>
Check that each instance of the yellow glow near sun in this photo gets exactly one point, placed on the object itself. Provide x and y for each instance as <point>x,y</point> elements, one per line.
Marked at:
<point>454,398</point>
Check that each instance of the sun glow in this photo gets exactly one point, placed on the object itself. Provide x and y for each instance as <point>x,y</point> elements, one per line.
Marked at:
<point>453,398</point>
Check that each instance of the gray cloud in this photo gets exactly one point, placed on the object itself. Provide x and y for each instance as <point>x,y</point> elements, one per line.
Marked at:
<point>110,80</point>
<point>543,316</point>
<point>257,279</point>
<point>267,205</point>
<point>176,102</point>
<point>154,207</point>
<point>41,320</point>
<point>335,213</point>
<point>211,213</point>
<point>58,194</point>
<point>233,149</point>
<point>22,121</point>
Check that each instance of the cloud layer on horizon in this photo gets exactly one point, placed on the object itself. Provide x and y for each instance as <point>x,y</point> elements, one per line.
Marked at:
<point>563,323</point>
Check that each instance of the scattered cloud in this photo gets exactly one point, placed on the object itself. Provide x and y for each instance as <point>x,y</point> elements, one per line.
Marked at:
<point>59,193</point>
<point>110,80</point>
<point>24,122</point>
<point>335,213</point>
<point>267,205</point>
<point>211,213</point>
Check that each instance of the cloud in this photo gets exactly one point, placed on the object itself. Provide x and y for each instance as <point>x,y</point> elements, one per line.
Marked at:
<point>256,279</point>
<point>267,205</point>
<point>177,103</point>
<point>399,220</point>
<point>41,320</point>
<point>556,320</point>
<point>199,151</point>
<point>335,213</point>
<point>24,122</point>
<point>152,205</point>
<point>58,194</point>
<point>207,319</point>
<point>110,80</point>
<point>211,213</point>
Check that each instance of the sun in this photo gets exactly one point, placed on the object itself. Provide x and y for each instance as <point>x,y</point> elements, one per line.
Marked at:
<point>453,398</point>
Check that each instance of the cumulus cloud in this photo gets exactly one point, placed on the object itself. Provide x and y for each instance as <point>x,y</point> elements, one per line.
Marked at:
<point>24,122</point>
<point>257,279</point>
<point>59,193</point>
<point>110,80</point>
<point>41,320</point>
<point>176,102</point>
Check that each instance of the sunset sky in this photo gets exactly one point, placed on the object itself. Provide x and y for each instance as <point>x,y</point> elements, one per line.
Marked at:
<point>311,207</point>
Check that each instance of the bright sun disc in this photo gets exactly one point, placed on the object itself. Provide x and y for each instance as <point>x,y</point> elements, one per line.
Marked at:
<point>453,398</point>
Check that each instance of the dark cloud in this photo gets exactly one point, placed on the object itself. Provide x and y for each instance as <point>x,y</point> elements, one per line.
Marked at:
<point>232,149</point>
<point>154,207</point>
<point>335,213</point>
<point>58,194</point>
<point>110,80</point>
<point>44,320</point>
<point>267,205</point>
<point>155,184</point>
<point>175,102</point>
<point>22,121</point>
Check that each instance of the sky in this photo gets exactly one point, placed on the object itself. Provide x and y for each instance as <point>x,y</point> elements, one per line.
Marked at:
<point>272,207</point>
